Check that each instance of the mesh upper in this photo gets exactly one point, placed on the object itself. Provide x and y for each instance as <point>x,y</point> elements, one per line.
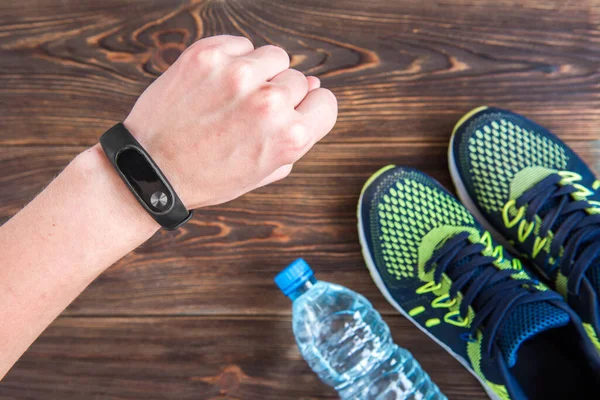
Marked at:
<point>497,149</point>
<point>526,321</point>
<point>490,148</point>
<point>409,208</point>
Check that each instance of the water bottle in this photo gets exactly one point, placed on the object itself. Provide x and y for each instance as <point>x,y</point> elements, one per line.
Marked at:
<point>346,343</point>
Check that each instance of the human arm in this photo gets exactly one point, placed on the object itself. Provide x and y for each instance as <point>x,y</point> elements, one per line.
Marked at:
<point>223,120</point>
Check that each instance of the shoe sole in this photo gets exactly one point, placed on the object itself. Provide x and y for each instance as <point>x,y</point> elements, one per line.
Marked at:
<point>463,194</point>
<point>383,289</point>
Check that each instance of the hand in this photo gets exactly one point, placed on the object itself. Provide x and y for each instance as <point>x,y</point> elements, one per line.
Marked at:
<point>225,119</point>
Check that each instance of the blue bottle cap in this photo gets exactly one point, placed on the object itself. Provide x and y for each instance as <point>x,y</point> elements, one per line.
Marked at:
<point>293,276</point>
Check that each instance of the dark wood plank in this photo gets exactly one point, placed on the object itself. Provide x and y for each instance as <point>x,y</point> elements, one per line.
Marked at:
<point>399,69</point>
<point>194,358</point>
<point>223,262</point>
<point>403,72</point>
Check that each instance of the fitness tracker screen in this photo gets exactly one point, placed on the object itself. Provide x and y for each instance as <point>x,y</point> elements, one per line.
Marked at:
<point>143,179</point>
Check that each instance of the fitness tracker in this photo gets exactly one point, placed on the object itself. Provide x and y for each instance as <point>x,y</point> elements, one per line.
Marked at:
<point>143,177</point>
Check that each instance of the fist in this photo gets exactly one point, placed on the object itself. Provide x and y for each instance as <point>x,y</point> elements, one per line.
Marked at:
<point>226,118</point>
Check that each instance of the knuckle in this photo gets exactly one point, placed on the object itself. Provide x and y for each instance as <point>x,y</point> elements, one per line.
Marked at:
<point>297,79</point>
<point>331,99</point>
<point>296,139</point>
<point>296,74</point>
<point>244,40</point>
<point>273,95</point>
<point>240,73</point>
<point>277,52</point>
<point>209,56</point>
<point>270,98</point>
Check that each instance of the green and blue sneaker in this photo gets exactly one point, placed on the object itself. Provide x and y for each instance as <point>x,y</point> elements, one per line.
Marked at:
<point>528,187</point>
<point>436,265</point>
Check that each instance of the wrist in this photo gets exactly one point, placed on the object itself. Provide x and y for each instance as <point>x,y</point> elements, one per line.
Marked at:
<point>164,157</point>
<point>109,196</point>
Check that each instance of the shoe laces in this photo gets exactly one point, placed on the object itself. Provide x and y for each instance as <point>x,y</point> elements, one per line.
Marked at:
<point>569,219</point>
<point>491,292</point>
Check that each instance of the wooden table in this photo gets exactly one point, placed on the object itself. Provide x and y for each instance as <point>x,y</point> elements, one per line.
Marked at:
<point>194,314</point>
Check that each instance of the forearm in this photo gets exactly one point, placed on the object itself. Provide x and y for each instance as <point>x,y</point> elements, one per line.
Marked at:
<point>223,120</point>
<point>83,222</point>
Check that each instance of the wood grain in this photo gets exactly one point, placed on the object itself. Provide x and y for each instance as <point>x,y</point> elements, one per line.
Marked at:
<point>229,254</point>
<point>194,313</point>
<point>399,69</point>
<point>193,357</point>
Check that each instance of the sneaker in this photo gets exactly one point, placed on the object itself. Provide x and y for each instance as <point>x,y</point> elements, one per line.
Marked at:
<point>436,265</point>
<point>525,185</point>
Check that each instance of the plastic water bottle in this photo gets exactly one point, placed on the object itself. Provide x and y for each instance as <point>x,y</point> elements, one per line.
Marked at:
<point>345,341</point>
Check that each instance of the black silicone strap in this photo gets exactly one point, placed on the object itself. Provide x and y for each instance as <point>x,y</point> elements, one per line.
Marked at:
<point>143,177</point>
